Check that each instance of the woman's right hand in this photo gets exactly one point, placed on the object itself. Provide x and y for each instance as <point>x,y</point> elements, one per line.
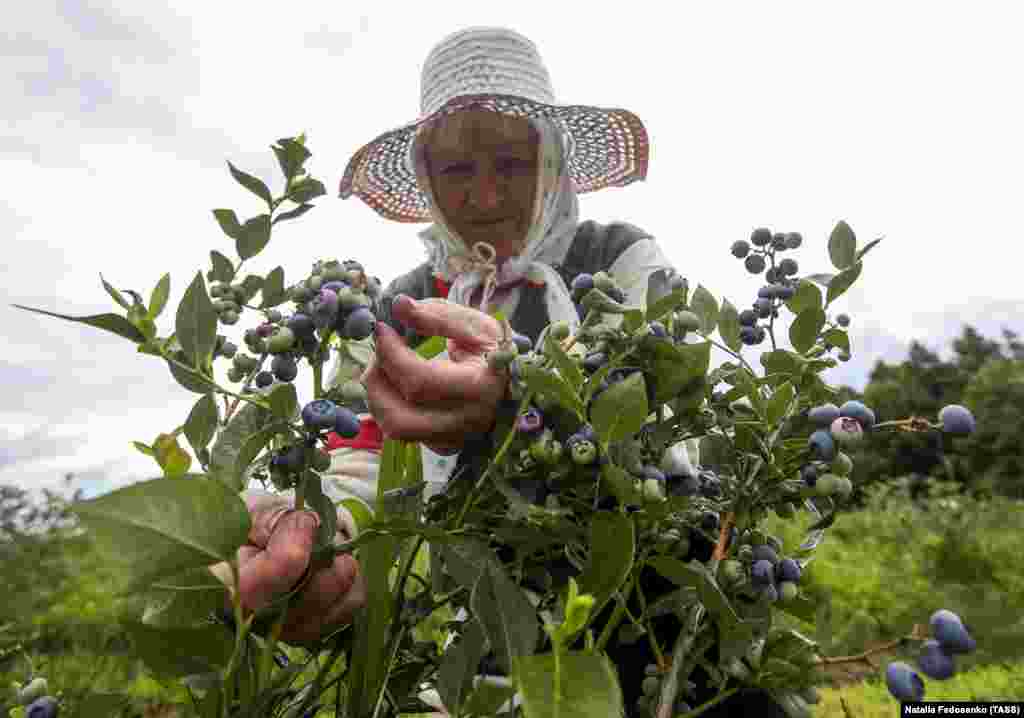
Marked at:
<point>273,560</point>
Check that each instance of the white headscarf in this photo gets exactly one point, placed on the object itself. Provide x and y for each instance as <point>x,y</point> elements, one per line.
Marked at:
<point>552,230</point>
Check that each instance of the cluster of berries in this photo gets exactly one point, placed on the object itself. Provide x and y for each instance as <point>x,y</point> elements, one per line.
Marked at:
<point>338,297</point>
<point>318,416</point>
<point>828,473</point>
<point>34,696</point>
<point>771,576</point>
<point>781,277</point>
<point>935,660</point>
<point>651,692</point>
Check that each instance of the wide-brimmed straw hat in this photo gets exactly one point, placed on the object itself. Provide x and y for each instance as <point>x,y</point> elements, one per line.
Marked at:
<point>495,69</point>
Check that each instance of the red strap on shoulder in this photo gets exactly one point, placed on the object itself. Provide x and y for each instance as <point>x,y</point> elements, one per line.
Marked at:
<point>441,287</point>
<point>369,437</point>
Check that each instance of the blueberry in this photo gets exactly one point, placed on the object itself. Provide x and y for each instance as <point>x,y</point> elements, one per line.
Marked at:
<point>284,368</point>
<point>264,379</point>
<point>616,295</point>
<point>788,267</point>
<point>359,324</point>
<point>843,320</point>
<point>903,682</point>
<point>772,276</point>
<point>324,308</point>
<point>856,410</point>
<point>712,488</point>
<point>754,263</point>
<point>291,458</point>
<point>763,307</point>
<point>823,416</point>
<point>789,570</point>
<point>786,292</point>
<point>794,240</point>
<point>523,343</point>
<point>764,552</point>
<point>748,318</point>
<point>749,335</point>
<point>822,445</point>
<point>530,422</point>
<point>586,431</point>
<point>766,292</point>
<point>761,236</point>
<point>301,325</point>
<point>934,662</point>
<point>709,521</point>
<point>319,414</point>
<point>593,362</point>
<point>346,423</point>
<point>683,485</point>
<point>582,284</point>
<point>335,286</point>
<point>658,329</point>
<point>950,631</point>
<point>957,420</point>
<point>45,707</point>
<point>653,472</point>
<point>762,573</point>
<point>740,248</point>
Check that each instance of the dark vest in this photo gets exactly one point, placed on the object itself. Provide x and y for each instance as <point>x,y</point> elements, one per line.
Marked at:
<point>594,249</point>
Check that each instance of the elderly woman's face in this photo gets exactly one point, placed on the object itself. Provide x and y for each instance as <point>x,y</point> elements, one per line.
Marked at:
<point>483,171</point>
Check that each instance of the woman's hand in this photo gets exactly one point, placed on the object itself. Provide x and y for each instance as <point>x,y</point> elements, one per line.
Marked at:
<point>437,402</point>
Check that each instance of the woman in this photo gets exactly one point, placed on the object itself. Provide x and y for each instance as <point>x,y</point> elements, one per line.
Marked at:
<point>496,165</point>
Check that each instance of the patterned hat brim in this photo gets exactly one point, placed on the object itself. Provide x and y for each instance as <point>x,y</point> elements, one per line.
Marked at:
<point>607,148</point>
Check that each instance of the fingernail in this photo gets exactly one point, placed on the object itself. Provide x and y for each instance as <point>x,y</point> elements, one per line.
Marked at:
<point>308,521</point>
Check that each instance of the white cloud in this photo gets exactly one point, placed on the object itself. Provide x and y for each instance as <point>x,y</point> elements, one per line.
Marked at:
<point>120,118</point>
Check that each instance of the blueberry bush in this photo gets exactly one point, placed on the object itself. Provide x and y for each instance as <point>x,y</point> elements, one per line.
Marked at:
<point>589,531</point>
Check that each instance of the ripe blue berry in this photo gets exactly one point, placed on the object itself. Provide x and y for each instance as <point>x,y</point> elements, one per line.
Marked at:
<point>823,416</point>
<point>359,324</point>
<point>934,662</point>
<point>950,631</point>
<point>772,276</point>
<point>264,379</point>
<point>301,325</point>
<point>822,445</point>
<point>531,422</point>
<point>45,707</point>
<point>761,236</point>
<point>712,488</point>
<point>740,248</point>
<point>319,414</point>
<point>683,485</point>
<point>794,240</point>
<point>788,267</point>
<point>593,362</point>
<point>749,335</point>
<point>843,320</point>
<point>764,552</point>
<point>789,570</point>
<point>346,423</point>
<point>763,307</point>
<point>766,292</point>
<point>582,284</point>
<point>957,420</point>
<point>335,286</point>
<point>754,263</point>
<point>748,318</point>
<point>786,292</point>
<point>292,458</point>
<point>323,308</point>
<point>857,410</point>
<point>903,682</point>
<point>658,329</point>
<point>523,343</point>
<point>284,368</point>
<point>809,474</point>
<point>762,573</point>
<point>709,521</point>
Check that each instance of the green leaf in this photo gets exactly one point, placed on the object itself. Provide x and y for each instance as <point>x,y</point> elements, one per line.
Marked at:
<point>430,348</point>
<point>292,213</point>
<point>807,296</point>
<point>612,539</point>
<point>171,457</point>
<point>621,410</point>
<point>459,664</point>
<point>229,224</point>
<point>620,484</point>
<point>159,528</point>
<point>201,424</point>
<point>487,698</point>
<point>253,237</point>
<point>569,370</point>
<point>804,330</point>
<point>273,289</point>
<point>838,286</point>
<point>705,307</point>
<point>544,382</point>
<point>506,615</point>
<point>676,369</point>
<point>158,299</point>
<point>116,295</point>
<point>585,685</point>
<point>320,503</point>
<point>109,322</point>
<point>251,285</point>
<point>729,325</point>
<point>308,189</point>
<point>694,574</point>
<point>777,405</point>
<point>177,652</point>
<point>223,270</point>
<point>360,512</point>
<point>291,155</point>
<point>866,249</point>
<point>196,323</point>
<point>822,279</point>
<point>781,361</point>
<point>632,320</point>
<point>668,303</point>
<point>837,338</point>
<point>250,449</point>
<point>284,401</point>
<point>185,600</point>
<point>144,449</point>
<point>842,246</point>
<point>188,380</point>
<point>253,184</point>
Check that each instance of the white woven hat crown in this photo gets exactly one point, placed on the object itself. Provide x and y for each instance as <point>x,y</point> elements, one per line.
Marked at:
<point>483,60</point>
<point>499,70</point>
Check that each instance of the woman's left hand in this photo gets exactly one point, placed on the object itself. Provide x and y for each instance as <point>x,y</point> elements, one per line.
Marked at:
<point>439,401</point>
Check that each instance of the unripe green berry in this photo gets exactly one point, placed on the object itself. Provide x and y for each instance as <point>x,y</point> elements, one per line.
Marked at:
<point>687,321</point>
<point>844,487</point>
<point>843,355</point>
<point>650,686</point>
<point>827,485</point>
<point>229,350</point>
<point>274,316</point>
<point>235,375</point>
<point>604,282</point>
<point>843,320</point>
<point>353,391</point>
<point>787,591</point>
<point>559,330</point>
<point>281,341</point>
<point>229,318</point>
<point>238,291</point>
<point>786,510</point>
<point>501,358</point>
<point>217,289</point>
<point>842,465</point>
<point>314,283</point>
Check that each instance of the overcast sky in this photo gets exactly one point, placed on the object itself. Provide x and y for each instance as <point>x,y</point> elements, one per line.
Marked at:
<point>904,119</point>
